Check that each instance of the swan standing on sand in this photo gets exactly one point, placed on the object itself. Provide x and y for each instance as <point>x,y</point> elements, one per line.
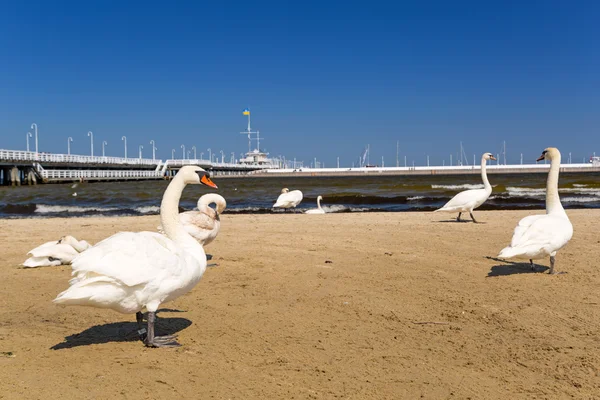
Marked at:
<point>539,236</point>
<point>132,271</point>
<point>58,252</point>
<point>205,223</point>
<point>288,199</point>
<point>318,210</point>
<point>469,200</point>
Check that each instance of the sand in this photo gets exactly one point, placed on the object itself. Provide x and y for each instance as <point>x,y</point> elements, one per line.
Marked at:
<point>348,306</point>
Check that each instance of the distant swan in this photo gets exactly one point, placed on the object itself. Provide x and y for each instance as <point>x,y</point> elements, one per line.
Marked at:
<point>54,253</point>
<point>539,236</point>
<point>132,271</point>
<point>469,200</point>
<point>318,210</point>
<point>288,199</point>
<point>205,223</point>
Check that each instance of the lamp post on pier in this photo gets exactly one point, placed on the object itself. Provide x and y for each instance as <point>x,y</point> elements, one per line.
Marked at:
<point>91,135</point>
<point>201,155</point>
<point>173,154</point>
<point>209,155</point>
<point>27,136</point>
<point>35,128</point>
<point>194,148</point>
<point>183,151</point>
<point>153,150</point>
<point>140,148</point>
<point>104,143</point>
<point>69,140</point>
<point>124,139</point>
<point>222,157</point>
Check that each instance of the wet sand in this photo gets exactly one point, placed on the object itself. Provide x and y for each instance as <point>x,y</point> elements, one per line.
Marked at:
<point>349,306</point>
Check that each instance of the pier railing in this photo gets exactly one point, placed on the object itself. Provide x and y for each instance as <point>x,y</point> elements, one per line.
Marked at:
<point>18,155</point>
<point>53,174</point>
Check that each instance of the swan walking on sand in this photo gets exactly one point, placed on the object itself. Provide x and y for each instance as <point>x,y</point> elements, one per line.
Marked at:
<point>205,223</point>
<point>318,210</point>
<point>469,200</point>
<point>132,271</point>
<point>539,236</point>
<point>54,253</point>
<point>288,199</point>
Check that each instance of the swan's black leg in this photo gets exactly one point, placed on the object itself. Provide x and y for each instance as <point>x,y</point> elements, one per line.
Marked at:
<point>158,341</point>
<point>458,218</point>
<point>139,317</point>
<point>552,271</point>
<point>472,217</point>
<point>531,264</point>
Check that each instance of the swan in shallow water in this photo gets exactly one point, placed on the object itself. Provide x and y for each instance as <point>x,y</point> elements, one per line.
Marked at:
<point>539,236</point>
<point>54,253</point>
<point>288,199</point>
<point>205,223</point>
<point>318,210</point>
<point>468,200</point>
<point>132,271</point>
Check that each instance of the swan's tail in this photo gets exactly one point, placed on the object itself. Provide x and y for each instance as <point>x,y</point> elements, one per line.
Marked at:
<point>99,291</point>
<point>509,252</point>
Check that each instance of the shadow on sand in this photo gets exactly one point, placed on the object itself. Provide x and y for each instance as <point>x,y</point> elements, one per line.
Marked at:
<point>512,268</point>
<point>121,332</point>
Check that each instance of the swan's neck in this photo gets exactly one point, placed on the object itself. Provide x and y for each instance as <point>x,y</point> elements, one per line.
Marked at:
<point>319,203</point>
<point>486,183</point>
<point>169,216</point>
<point>210,198</point>
<point>553,204</point>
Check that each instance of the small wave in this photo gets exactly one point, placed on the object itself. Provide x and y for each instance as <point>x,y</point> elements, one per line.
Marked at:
<point>413,198</point>
<point>580,200</point>
<point>523,191</point>
<point>579,185</point>
<point>336,208</point>
<point>457,187</point>
<point>147,209</point>
<point>45,209</point>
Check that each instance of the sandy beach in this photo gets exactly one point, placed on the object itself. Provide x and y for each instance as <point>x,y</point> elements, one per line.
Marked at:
<point>349,306</point>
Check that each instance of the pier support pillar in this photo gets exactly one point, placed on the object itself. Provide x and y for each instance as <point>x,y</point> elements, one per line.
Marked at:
<point>15,176</point>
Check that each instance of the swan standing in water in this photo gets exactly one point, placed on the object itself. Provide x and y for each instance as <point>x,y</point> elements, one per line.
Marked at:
<point>318,210</point>
<point>58,252</point>
<point>469,200</point>
<point>288,199</point>
<point>539,236</point>
<point>205,223</point>
<point>132,271</point>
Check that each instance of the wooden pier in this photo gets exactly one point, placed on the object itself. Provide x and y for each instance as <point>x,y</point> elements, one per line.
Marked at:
<point>31,168</point>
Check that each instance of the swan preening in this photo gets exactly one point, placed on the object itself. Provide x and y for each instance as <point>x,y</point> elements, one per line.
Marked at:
<point>288,199</point>
<point>132,271</point>
<point>539,236</point>
<point>318,210</point>
<point>469,200</point>
<point>58,252</point>
<point>205,223</point>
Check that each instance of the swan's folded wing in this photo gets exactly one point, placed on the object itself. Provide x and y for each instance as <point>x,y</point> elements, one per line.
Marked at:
<point>57,250</point>
<point>130,258</point>
<point>197,219</point>
<point>521,231</point>
<point>464,198</point>
<point>41,247</point>
<point>543,231</point>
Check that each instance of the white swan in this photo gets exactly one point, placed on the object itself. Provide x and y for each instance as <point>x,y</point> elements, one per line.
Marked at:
<point>318,210</point>
<point>205,223</point>
<point>539,236</point>
<point>288,199</point>
<point>132,271</point>
<point>469,200</point>
<point>58,252</point>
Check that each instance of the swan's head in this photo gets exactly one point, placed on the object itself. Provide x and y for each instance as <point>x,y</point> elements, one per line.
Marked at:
<point>68,239</point>
<point>285,190</point>
<point>549,154</point>
<point>196,175</point>
<point>488,156</point>
<point>319,198</point>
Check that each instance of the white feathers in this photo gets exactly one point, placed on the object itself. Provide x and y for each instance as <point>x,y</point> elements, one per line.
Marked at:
<point>288,199</point>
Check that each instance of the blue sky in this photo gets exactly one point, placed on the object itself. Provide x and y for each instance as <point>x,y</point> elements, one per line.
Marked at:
<point>321,79</point>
